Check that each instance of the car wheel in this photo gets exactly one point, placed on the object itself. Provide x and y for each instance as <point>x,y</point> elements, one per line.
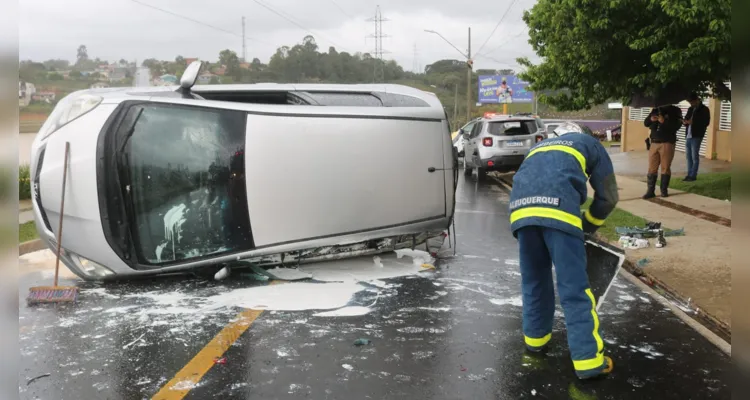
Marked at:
<point>481,173</point>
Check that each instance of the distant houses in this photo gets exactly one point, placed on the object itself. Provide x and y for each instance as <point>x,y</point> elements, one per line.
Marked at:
<point>165,80</point>
<point>205,78</point>
<point>47,96</point>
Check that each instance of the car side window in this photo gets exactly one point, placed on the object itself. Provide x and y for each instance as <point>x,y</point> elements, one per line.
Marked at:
<point>477,129</point>
<point>186,182</point>
<point>468,128</point>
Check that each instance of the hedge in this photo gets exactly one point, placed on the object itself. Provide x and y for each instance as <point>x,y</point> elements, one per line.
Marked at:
<point>24,182</point>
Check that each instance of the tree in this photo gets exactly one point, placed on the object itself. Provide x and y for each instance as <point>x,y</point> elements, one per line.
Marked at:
<point>154,66</point>
<point>55,77</point>
<point>215,80</point>
<point>75,74</point>
<point>229,59</point>
<point>179,60</point>
<point>82,55</point>
<point>652,52</point>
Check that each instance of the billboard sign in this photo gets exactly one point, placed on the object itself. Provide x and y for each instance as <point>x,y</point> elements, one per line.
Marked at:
<point>503,89</point>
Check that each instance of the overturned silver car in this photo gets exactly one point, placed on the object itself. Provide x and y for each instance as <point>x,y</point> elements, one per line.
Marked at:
<point>163,180</point>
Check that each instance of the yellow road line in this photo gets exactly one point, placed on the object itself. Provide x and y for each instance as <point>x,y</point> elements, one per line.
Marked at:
<point>193,371</point>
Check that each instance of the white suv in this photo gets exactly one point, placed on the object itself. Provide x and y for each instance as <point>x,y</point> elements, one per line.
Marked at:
<point>500,143</point>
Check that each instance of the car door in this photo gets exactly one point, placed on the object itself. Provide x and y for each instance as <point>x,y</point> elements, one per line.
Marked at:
<point>319,172</point>
<point>471,143</point>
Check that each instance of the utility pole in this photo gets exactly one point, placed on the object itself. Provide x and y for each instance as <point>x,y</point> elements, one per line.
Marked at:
<point>244,46</point>
<point>455,106</point>
<point>469,67</point>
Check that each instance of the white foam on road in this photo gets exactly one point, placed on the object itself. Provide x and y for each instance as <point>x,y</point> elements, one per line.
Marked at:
<point>352,311</point>
<point>513,301</point>
<point>363,269</point>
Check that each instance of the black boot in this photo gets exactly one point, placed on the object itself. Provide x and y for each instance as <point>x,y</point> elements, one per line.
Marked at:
<point>665,185</point>
<point>651,182</point>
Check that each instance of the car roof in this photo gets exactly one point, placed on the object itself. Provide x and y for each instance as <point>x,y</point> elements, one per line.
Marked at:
<point>120,94</point>
<point>508,117</point>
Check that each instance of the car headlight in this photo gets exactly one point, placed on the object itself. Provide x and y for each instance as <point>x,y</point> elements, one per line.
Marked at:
<point>91,268</point>
<point>68,109</point>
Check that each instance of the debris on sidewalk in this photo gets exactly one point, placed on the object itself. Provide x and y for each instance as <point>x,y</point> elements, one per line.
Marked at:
<point>660,241</point>
<point>222,360</point>
<point>362,342</point>
<point>633,243</point>
<point>646,233</point>
<point>643,262</point>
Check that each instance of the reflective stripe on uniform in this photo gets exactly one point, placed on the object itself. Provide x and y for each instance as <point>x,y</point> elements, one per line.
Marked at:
<point>593,363</point>
<point>565,149</point>
<point>598,361</point>
<point>537,342</point>
<point>545,212</point>
<point>593,219</point>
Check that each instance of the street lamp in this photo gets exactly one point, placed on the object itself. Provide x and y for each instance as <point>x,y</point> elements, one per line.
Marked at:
<point>468,69</point>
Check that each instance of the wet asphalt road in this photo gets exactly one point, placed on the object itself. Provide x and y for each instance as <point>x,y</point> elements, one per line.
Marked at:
<point>453,334</point>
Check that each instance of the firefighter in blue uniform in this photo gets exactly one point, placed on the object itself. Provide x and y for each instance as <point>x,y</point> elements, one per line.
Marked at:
<point>545,214</point>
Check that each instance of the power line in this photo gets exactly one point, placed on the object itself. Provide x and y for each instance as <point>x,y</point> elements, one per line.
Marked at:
<point>297,24</point>
<point>196,21</point>
<point>341,9</point>
<point>504,42</point>
<point>496,26</point>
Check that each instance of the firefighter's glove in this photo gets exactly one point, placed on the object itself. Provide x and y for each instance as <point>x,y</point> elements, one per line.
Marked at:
<point>588,227</point>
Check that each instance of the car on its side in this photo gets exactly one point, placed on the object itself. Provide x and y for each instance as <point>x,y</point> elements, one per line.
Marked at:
<point>171,179</point>
<point>500,143</point>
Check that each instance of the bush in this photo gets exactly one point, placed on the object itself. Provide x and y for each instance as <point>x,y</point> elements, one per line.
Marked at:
<point>24,182</point>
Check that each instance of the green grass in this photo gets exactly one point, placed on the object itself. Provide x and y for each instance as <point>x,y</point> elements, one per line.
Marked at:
<point>27,232</point>
<point>717,185</point>
<point>617,218</point>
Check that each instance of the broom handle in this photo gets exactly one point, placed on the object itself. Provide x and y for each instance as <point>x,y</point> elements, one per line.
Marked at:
<point>62,208</point>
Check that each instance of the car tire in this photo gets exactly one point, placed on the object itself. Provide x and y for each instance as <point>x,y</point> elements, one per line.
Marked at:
<point>481,173</point>
<point>467,169</point>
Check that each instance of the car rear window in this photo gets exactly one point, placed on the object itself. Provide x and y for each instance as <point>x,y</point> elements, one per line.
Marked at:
<point>512,128</point>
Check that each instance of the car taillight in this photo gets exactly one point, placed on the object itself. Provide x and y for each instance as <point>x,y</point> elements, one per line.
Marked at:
<point>487,142</point>
<point>539,139</point>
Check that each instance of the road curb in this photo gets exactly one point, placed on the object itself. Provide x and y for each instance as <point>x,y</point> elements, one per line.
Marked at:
<point>31,246</point>
<point>699,327</point>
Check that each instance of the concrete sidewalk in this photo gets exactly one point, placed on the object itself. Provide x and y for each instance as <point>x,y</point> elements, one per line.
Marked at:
<point>635,164</point>
<point>695,266</point>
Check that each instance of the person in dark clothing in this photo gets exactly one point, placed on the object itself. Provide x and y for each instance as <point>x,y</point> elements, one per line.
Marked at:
<point>696,121</point>
<point>545,214</point>
<point>664,122</point>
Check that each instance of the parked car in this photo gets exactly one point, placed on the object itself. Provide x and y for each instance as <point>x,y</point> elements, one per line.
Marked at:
<point>550,129</point>
<point>500,143</point>
<point>459,140</point>
<point>165,179</point>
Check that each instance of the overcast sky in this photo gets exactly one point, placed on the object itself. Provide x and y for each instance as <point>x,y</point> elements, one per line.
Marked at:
<point>115,29</point>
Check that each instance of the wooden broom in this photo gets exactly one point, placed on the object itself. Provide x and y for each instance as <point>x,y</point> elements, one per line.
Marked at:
<point>55,293</point>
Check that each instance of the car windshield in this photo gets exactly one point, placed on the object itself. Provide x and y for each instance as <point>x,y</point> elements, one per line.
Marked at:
<point>512,128</point>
